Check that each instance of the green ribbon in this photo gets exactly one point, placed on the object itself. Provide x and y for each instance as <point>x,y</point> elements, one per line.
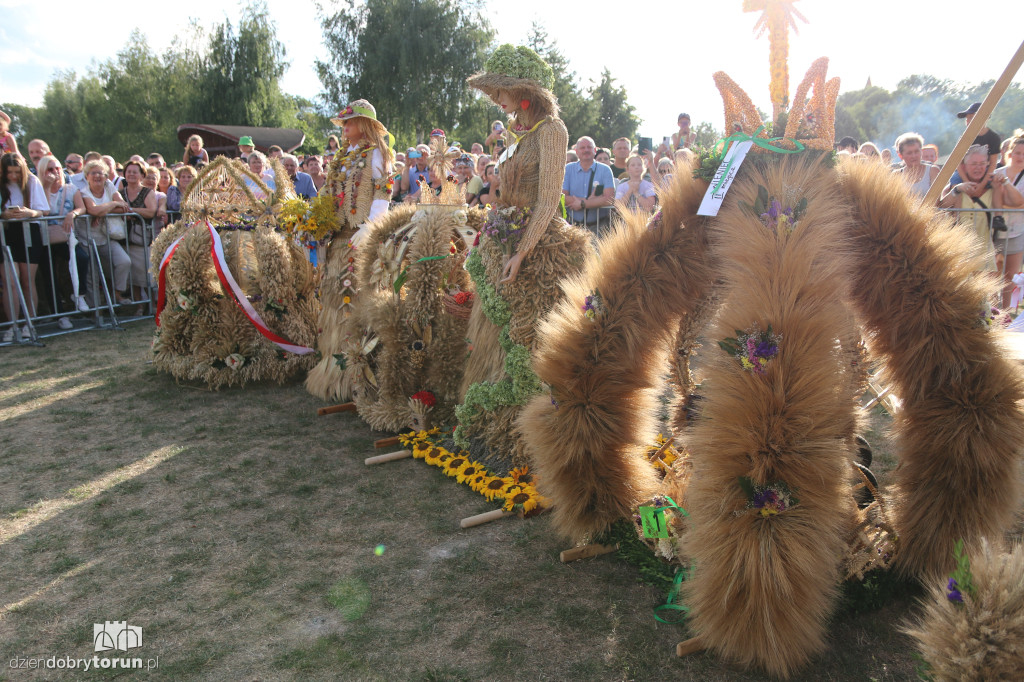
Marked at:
<point>761,142</point>
<point>670,601</point>
<point>400,280</point>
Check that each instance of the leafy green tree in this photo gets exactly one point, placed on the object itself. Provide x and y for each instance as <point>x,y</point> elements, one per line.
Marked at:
<point>410,58</point>
<point>577,110</point>
<point>614,115</point>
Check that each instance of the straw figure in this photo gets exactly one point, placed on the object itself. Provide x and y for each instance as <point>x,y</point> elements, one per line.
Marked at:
<point>360,181</point>
<point>800,250</point>
<point>525,248</point>
<point>972,625</point>
<point>237,299</point>
<point>415,301</point>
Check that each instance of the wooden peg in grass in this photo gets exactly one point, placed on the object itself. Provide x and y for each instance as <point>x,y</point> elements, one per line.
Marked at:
<point>690,646</point>
<point>486,517</point>
<point>344,407</point>
<point>387,442</point>
<point>390,457</point>
<point>585,552</point>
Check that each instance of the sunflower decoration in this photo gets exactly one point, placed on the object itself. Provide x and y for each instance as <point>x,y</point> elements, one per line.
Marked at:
<point>495,488</point>
<point>525,499</point>
<point>468,471</point>
<point>434,455</point>
<point>522,476</point>
<point>479,481</point>
<point>453,464</point>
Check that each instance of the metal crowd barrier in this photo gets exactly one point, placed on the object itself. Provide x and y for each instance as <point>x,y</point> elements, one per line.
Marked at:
<point>75,280</point>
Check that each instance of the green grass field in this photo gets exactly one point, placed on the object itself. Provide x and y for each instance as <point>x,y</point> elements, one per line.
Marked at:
<point>237,528</point>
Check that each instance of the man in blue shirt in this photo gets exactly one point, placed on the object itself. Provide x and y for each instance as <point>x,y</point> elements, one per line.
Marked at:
<point>589,189</point>
<point>303,183</point>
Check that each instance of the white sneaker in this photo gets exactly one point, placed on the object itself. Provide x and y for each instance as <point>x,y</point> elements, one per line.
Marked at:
<point>65,323</point>
<point>81,304</point>
<point>9,335</point>
<point>25,333</point>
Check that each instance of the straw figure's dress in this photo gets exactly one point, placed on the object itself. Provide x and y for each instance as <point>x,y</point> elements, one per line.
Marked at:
<point>498,379</point>
<point>360,181</point>
<point>237,298</point>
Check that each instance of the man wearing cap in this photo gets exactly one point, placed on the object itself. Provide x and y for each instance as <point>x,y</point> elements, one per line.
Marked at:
<point>245,147</point>
<point>986,136</point>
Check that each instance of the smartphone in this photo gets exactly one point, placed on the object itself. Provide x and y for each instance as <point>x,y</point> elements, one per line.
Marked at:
<point>645,145</point>
<point>598,190</point>
<point>667,141</point>
<point>499,143</point>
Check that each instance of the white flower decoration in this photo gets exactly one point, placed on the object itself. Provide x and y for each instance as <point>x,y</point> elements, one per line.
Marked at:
<point>234,361</point>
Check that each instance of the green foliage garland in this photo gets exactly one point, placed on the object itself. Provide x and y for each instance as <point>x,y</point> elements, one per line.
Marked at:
<point>521,382</point>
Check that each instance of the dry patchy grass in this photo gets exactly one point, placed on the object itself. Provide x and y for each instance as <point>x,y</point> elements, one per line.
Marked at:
<point>238,529</point>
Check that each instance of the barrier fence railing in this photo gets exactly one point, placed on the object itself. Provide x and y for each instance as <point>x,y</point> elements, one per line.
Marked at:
<point>55,282</point>
<point>108,280</point>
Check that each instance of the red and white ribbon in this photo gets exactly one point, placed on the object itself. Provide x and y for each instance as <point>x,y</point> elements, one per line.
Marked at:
<point>161,290</point>
<point>238,296</point>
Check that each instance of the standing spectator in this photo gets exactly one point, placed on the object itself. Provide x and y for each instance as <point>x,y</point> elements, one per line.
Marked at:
<point>570,157</point>
<point>1012,244</point>
<point>870,151</point>
<point>274,152</point>
<point>620,154</point>
<point>315,171</point>
<point>176,192</point>
<point>634,191</point>
<point>73,164</point>
<point>918,176</point>
<point>987,137</point>
<point>65,201</point>
<point>476,149</point>
<point>7,143</point>
<point>467,180</point>
<point>489,192</point>
<point>141,200</point>
<point>975,191</point>
<point>604,155</point>
<point>78,179</point>
<point>665,172</point>
<point>194,152</point>
<point>102,202</point>
<point>302,182</point>
<point>847,144</point>
<point>416,171</point>
<point>481,164</point>
<point>166,180</point>
<point>245,147</point>
<point>497,133</point>
<point>156,160</point>
<point>258,165</point>
<point>152,181</point>
<point>930,154</point>
<point>684,138</point>
<point>589,188</point>
<point>21,198</point>
<point>37,149</point>
<point>332,146</point>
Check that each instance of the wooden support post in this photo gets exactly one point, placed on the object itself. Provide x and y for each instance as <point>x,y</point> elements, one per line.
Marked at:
<point>344,407</point>
<point>585,552</point>
<point>977,123</point>
<point>690,646</point>
<point>486,517</point>
<point>387,442</point>
<point>390,457</point>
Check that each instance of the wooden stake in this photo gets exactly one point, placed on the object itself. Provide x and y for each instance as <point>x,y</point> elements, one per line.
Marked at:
<point>486,517</point>
<point>387,442</point>
<point>390,457</point>
<point>344,407</point>
<point>977,123</point>
<point>585,552</point>
<point>690,646</point>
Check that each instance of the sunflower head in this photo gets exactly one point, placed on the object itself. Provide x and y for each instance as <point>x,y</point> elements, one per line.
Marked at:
<point>452,466</point>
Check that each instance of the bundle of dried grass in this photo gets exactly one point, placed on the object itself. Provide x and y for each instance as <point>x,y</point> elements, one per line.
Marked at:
<point>980,637</point>
<point>919,288</point>
<point>411,261</point>
<point>770,500</point>
<point>587,438</point>
<point>202,334</point>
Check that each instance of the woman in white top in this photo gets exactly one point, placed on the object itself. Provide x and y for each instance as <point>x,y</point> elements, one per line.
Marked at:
<point>103,204</point>
<point>1012,243</point>
<point>258,165</point>
<point>635,192</point>
<point>65,202</point>
<point>22,199</point>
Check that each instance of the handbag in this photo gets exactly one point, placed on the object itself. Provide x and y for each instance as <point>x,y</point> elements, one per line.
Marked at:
<point>114,227</point>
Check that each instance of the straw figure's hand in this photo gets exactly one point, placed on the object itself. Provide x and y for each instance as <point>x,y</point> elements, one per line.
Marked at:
<point>511,268</point>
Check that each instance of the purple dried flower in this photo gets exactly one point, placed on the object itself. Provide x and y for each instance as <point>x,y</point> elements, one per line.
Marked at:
<point>954,592</point>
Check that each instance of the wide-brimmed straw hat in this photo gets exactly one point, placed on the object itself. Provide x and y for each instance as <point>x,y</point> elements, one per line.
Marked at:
<point>360,107</point>
<point>517,69</point>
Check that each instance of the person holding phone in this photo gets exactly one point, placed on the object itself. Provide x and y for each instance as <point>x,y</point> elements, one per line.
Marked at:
<point>497,134</point>
<point>589,189</point>
<point>21,198</point>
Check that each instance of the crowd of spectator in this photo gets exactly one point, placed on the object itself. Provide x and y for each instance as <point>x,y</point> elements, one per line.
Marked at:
<point>627,174</point>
